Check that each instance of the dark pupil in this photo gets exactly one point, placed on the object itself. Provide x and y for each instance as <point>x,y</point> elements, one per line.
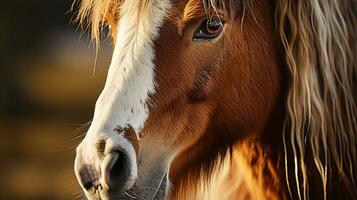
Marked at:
<point>213,25</point>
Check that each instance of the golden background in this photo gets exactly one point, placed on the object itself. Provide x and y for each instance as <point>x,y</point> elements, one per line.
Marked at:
<point>47,97</point>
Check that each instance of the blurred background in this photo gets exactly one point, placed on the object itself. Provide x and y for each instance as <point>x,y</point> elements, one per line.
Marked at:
<point>47,97</point>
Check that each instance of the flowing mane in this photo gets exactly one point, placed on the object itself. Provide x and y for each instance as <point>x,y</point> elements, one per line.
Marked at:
<point>320,53</point>
<point>318,40</point>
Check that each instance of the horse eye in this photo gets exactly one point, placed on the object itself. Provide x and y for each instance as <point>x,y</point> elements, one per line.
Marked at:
<point>209,29</point>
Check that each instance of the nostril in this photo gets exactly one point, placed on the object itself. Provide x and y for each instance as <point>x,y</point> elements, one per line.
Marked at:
<point>88,177</point>
<point>87,184</point>
<point>116,170</point>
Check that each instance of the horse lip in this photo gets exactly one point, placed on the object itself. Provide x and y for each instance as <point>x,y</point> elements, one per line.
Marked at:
<point>107,165</point>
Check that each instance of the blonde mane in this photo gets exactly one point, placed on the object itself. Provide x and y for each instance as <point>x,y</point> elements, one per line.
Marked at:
<point>92,15</point>
<point>320,44</point>
<point>320,49</point>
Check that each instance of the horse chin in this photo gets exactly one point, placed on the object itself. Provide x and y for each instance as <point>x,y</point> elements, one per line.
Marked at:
<point>163,189</point>
<point>152,190</point>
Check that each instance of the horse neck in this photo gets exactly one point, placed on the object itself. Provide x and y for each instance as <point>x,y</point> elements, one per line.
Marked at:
<point>250,168</point>
<point>260,159</point>
<point>261,167</point>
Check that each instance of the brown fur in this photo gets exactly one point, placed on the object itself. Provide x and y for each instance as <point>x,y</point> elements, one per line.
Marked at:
<point>224,110</point>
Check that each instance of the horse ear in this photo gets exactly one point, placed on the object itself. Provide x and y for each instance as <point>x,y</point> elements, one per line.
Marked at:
<point>320,54</point>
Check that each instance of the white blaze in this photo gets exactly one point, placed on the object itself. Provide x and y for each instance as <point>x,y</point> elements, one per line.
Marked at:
<point>131,74</point>
<point>129,83</point>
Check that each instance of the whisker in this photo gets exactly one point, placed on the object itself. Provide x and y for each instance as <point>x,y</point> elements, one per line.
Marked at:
<point>137,196</point>
<point>63,150</point>
<point>66,191</point>
<point>129,195</point>
<point>65,142</point>
<point>79,130</point>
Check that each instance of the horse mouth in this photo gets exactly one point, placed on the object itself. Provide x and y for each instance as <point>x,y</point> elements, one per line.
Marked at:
<point>131,194</point>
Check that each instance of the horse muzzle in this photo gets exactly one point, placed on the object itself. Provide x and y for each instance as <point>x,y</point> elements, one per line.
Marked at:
<point>105,167</point>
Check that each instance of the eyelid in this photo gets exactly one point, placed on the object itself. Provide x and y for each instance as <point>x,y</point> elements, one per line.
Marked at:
<point>219,16</point>
<point>185,23</point>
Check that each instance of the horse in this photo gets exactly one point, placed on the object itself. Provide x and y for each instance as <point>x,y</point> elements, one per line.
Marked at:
<point>223,99</point>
